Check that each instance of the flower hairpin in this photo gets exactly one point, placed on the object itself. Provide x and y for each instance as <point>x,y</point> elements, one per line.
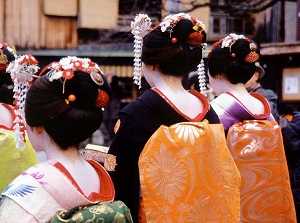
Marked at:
<point>139,28</point>
<point>65,68</point>
<point>229,40</point>
<point>22,71</point>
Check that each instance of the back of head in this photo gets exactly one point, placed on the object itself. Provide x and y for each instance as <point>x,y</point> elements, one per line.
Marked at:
<point>68,100</point>
<point>234,56</point>
<point>175,45</point>
<point>6,84</point>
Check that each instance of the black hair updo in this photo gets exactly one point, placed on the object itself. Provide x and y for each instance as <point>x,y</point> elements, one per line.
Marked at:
<point>233,61</point>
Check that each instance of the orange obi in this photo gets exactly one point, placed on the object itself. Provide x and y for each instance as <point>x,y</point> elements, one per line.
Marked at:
<point>257,149</point>
<point>187,174</point>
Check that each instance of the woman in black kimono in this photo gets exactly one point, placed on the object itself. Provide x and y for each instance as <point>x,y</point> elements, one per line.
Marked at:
<point>169,51</point>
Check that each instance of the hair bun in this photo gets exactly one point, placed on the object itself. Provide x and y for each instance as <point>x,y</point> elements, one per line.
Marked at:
<point>245,50</point>
<point>189,30</point>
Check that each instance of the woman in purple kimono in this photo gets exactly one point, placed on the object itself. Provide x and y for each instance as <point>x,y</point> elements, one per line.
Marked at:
<point>253,137</point>
<point>231,64</point>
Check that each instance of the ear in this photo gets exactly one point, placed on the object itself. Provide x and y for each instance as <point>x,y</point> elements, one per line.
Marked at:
<point>219,77</point>
<point>256,75</point>
<point>150,67</point>
<point>37,130</point>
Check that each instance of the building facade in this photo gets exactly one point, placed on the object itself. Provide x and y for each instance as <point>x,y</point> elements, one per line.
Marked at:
<point>100,30</point>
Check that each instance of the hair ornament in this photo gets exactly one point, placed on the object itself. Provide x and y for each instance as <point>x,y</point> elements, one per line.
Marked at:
<point>170,22</point>
<point>139,28</point>
<point>71,97</point>
<point>195,38</point>
<point>3,58</point>
<point>102,99</point>
<point>202,78</point>
<point>252,56</point>
<point>97,78</point>
<point>65,68</point>
<point>22,71</point>
<point>253,46</point>
<point>229,40</point>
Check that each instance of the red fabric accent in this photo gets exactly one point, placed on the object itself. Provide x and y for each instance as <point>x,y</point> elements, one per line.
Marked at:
<point>201,97</point>
<point>106,193</point>
<point>11,109</point>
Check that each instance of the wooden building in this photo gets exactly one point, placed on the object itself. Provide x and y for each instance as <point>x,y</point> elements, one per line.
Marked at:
<point>100,30</point>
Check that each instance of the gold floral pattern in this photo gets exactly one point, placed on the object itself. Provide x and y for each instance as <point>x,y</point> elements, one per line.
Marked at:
<point>167,174</point>
<point>204,210</point>
<point>188,132</point>
<point>187,174</point>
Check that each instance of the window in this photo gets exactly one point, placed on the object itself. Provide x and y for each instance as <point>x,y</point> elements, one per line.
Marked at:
<point>219,24</point>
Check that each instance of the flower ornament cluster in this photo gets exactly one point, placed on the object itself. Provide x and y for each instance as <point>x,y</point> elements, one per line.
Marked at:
<point>22,71</point>
<point>66,66</point>
<point>139,28</point>
<point>170,22</point>
<point>229,40</point>
<point>64,69</point>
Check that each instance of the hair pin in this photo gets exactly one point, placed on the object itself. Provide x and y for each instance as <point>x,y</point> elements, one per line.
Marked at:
<point>139,28</point>
<point>174,40</point>
<point>22,70</point>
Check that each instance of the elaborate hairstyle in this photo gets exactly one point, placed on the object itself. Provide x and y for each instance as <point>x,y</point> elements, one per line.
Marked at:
<point>234,56</point>
<point>175,45</point>
<point>68,100</point>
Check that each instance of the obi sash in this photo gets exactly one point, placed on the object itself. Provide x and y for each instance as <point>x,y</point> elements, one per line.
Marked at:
<point>188,175</point>
<point>257,149</point>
